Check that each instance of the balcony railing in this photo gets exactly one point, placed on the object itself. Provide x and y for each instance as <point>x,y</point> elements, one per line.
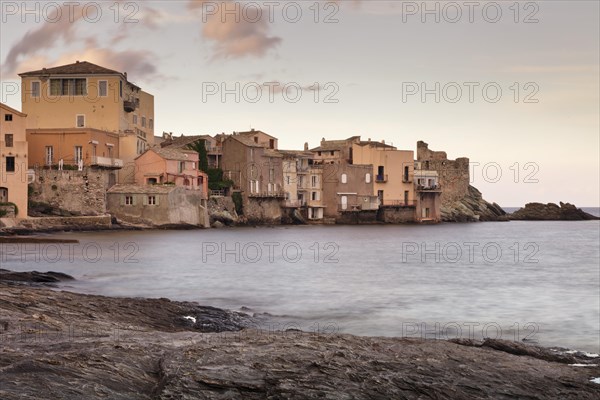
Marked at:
<point>381,178</point>
<point>273,195</point>
<point>399,203</point>
<point>131,104</point>
<point>295,203</point>
<point>107,162</point>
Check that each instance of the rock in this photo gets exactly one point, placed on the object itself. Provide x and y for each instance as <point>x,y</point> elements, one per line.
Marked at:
<point>551,212</point>
<point>33,276</point>
<point>217,224</point>
<point>73,346</point>
<point>472,208</point>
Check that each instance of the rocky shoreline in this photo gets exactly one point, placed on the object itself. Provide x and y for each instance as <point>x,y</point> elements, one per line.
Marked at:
<point>63,345</point>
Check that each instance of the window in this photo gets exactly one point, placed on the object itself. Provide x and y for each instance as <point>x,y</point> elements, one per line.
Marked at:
<point>80,121</point>
<point>151,200</point>
<point>368,178</point>
<point>313,180</point>
<point>151,181</point>
<point>68,87</point>
<point>78,154</point>
<point>271,143</point>
<point>151,123</point>
<point>344,202</point>
<point>129,200</point>
<point>135,119</point>
<point>271,174</point>
<point>181,166</point>
<point>102,88</point>
<point>8,117</point>
<point>10,164</point>
<point>315,196</point>
<point>287,179</point>
<point>143,122</point>
<point>8,140</point>
<point>344,178</point>
<point>49,155</point>
<point>255,139</point>
<point>35,89</point>
<point>120,88</point>
<point>319,153</point>
<point>333,153</point>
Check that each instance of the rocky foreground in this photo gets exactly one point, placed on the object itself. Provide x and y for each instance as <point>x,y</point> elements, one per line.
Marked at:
<point>62,345</point>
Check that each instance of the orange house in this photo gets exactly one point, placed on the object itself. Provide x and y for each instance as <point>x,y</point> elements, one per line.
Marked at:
<point>170,165</point>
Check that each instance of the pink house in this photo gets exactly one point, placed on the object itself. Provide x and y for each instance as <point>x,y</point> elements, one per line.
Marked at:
<point>170,166</point>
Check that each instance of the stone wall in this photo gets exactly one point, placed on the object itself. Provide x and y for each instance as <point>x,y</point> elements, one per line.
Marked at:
<point>65,223</point>
<point>396,215</point>
<point>78,192</point>
<point>262,211</point>
<point>453,174</point>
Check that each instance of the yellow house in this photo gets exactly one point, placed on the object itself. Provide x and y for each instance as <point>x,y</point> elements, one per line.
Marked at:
<point>13,159</point>
<point>85,112</point>
<point>393,171</point>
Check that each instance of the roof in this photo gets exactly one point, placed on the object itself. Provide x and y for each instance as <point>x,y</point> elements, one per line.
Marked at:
<point>184,141</point>
<point>77,68</point>
<point>329,145</point>
<point>295,153</point>
<point>254,132</point>
<point>272,153</point>
<point>245,141</point>
<point>171,153</point>
<point>138,189</point>
<point>376,144</point>
<point>12,110</point>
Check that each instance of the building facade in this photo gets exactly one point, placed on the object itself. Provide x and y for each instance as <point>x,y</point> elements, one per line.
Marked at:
<point>14,176</point>
<point>85,113</point>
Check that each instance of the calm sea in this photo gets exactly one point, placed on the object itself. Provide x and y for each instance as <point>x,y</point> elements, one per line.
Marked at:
<point>538,281</point>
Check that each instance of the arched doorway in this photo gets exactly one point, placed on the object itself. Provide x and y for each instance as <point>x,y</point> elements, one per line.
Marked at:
<point>3,195</point>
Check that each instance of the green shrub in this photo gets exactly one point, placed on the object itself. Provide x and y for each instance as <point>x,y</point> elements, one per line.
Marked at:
<point>238,202</point>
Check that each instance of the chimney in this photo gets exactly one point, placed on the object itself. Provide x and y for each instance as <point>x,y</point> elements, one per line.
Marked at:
<point>383,141</point>
<point>77,62</point>
<point>252,130</point>
<point>125,75</point>
<point>369,140</point>
<point>305,146</point>
<point>322,140</point>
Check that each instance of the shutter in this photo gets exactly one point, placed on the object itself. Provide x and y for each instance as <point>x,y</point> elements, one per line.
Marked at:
<point>133,201</point>
<point>145,200</point>
<point>156,201</point>
<point>123,200</point>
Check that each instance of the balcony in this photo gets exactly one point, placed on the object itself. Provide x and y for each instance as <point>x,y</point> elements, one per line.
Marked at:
<point>399,203</point>
<point>381,178</point>
<point>429,188</point>
<point>267,195</point>
<point>295,203</point>
<point>107,162</point>
<point>130,105</point>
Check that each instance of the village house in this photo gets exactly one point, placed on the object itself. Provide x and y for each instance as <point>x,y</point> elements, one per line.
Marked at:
<point>259,137</point>
<point>14,176</point>
<point>83,113</point>
<point>167,165</point>
<point>213,146</point>
<point>257,175</point>
<point>158,205</point>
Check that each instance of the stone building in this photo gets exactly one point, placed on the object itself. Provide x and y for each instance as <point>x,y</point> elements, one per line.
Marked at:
<point>158,205</point>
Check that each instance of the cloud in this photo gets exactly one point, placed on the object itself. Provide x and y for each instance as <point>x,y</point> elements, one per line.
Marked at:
<point>42,38</point>
<point>237,34</point>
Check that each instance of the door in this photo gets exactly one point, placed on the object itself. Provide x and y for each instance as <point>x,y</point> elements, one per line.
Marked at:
<point>344,202</point>
<point>406,197</point>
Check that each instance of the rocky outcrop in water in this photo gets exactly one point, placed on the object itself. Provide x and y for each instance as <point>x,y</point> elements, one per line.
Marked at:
<point>471,208</point>
<point>62,345</point>
<point>551,212</point>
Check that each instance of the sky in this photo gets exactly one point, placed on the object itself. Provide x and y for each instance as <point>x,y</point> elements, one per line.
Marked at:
<point>512,85</point>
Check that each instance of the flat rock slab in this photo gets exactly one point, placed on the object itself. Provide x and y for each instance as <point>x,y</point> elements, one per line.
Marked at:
<point>65,345</point>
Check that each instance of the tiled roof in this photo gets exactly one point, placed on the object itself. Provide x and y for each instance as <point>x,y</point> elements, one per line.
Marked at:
<point>172,153</point>
<point>12,110</point>
<point>272,153</point>
<point>77,68</point>
<point>138,189</point>
<point>251,133</point>
<point>184,141</point>
<point>375,144</point>
<point>295,153</point>
<point>245,140</point>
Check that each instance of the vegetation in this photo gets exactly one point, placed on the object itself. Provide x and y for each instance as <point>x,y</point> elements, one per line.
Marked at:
<point>4,212</point>
<point>199,147</point>
<point>237,201</point>
<point>216,180</point>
